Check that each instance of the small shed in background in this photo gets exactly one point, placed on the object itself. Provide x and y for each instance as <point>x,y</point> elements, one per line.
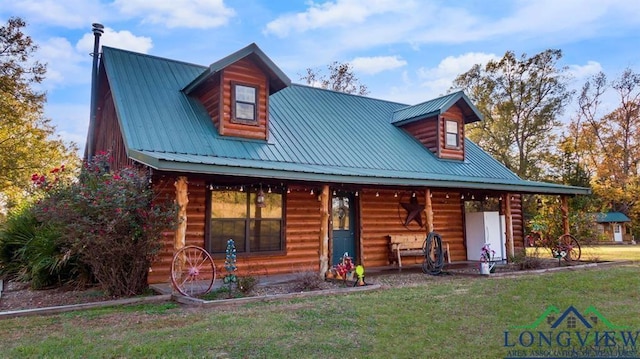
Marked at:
<point>613,226</point>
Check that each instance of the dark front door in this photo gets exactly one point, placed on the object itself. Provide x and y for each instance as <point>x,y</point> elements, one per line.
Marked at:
<point>343,221</point>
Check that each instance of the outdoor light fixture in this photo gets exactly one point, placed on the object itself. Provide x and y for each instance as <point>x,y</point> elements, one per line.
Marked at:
<point>395,195</point>
<point>260,198</point>
<point>377,194</point>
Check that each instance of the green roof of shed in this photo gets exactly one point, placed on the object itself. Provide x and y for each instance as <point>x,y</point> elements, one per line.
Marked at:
<point>314,135</point>
<point>612,217</point>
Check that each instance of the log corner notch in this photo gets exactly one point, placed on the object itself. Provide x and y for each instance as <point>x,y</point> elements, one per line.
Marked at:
<point>324,231</point>
<point>182,199</point>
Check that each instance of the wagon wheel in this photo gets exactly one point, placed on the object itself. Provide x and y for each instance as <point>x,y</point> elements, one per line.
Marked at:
<point>192,271</point>
<point>571,245</point>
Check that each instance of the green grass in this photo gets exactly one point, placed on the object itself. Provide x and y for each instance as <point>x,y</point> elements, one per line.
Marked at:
<point>449,317</point>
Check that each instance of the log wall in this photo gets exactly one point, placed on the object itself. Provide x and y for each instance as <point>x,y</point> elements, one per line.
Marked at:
<point>431,133</point>
<point>454,113</point>
<point>247,73</point>
<point>383,216</point>
<point>110,138</point>
<point>302,232</point>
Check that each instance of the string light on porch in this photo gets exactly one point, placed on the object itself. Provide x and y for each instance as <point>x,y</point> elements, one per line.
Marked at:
<point>260,198</point>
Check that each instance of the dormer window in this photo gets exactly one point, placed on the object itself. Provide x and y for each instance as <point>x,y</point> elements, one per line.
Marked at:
<point>245,103</point>
<point>452,137</point>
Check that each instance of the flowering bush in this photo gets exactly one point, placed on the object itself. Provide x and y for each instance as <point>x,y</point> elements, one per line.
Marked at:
<point>487,254</point>
<point>111,222</point>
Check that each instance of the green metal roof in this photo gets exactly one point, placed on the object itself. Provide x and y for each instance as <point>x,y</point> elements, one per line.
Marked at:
<point>278,80</point>
<point>612,217</point>
<point>314,135</point>
<point>435,107</point>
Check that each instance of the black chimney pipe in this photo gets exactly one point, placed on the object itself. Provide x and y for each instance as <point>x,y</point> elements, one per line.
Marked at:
<point>98,29</point>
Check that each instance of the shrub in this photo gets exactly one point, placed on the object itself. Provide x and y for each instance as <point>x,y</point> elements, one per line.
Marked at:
<point>111,222</point>
<point>308,280</point>
<point>526,261</point>
<point>32,251</point>
<point>246,284</point>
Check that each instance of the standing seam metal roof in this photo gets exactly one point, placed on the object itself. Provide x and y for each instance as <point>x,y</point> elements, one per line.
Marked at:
<point>311,130</point>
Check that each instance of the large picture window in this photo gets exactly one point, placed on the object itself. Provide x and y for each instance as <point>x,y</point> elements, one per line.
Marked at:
<point>255,226</point>
<point>245,103</point>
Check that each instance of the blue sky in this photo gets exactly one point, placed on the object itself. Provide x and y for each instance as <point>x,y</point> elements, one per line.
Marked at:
<point>406,51</point>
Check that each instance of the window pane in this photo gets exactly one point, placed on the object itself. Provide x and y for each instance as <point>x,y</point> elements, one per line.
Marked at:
<point>340,213</point>
<point>452,139</point>
<point>264,235</point>
<point>245,111</point>
<point>222,230</point>
<point>452,127</point>
<point>245,94</point>
<point>228,204</point>
<point>272,209</point>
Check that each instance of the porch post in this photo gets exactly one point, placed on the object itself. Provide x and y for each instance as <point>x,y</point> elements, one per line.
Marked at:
<point>428,208</point>
<point>182,199</point>
<point>324,231</point>
<point>508,226</point>
<point>565,214</point>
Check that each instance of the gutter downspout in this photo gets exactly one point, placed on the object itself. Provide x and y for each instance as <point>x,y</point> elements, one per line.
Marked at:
<point>98,29</point>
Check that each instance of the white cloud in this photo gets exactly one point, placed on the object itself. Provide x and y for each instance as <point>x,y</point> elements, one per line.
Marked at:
<point>429,83</point>
<point>582,72</point>
<point>64,64</point>
<point>200,14</point>
<point>341,13</point>
<point>120,39</point>
<point>373,65</point>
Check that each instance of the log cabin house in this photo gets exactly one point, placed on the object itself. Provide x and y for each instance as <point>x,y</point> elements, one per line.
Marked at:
<point>298,175</point>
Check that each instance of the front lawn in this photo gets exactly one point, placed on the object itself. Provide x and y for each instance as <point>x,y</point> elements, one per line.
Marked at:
<point>449,317</point>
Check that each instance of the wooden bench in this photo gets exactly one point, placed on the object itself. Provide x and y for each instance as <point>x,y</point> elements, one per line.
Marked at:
<point>409,245</point>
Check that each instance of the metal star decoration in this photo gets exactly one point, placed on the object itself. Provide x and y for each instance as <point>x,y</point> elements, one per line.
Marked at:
<point>414,211</point>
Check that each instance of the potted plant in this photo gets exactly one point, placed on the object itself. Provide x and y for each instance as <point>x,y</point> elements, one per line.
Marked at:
<point>487,264</point>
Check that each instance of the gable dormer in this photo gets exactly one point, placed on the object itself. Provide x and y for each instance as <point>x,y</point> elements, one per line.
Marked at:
<point>235,92</point>
<point>439,124</point>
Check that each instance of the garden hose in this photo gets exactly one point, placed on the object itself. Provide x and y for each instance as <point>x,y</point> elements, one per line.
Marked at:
<point>433,254</point>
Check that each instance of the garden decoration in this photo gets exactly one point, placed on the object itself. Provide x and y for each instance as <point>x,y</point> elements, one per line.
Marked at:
<point>344,269</point>
<point>360,275</point>
<point>230,265</point>
<point>487,254</point>
<point>559,253</point>
<point>192,271</point>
